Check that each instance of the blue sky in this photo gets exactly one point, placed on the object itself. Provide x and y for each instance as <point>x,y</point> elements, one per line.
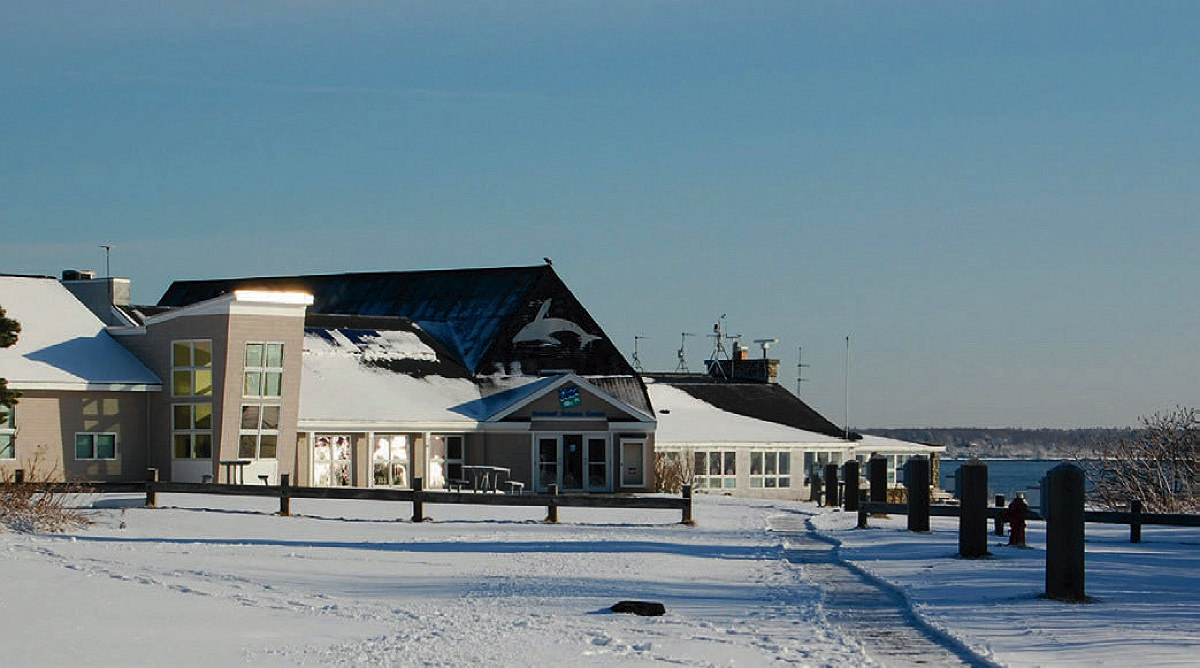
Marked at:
<point>996,201</point>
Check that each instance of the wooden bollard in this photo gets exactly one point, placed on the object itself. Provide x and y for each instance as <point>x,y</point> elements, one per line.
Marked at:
<point>1064,534</point>
<point>850,475</point>
<point>151,494</point>
<point>972,514</point>
<point>916,479</point>
<point>863,499</point>
<point>1135,521</point>
<point>878,474</point>
<point>999,519</point>
<point>814,481</point>
<point>687,506</point>
<point>19,476</point>
<point>552,508</point>
<point>418,502</point>
<point>831,485</point>
<point>285,498</point>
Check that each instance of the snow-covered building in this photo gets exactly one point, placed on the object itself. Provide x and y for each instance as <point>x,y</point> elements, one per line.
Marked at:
<point>743,434</point>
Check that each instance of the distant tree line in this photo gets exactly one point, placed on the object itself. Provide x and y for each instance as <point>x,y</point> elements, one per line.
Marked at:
<point>983,442</point>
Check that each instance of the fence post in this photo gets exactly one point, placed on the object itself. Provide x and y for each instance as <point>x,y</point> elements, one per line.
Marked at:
<point>552,507</point>
<point>850,475</point>
<point>418,502</point>
<point>831,485</point>
<point>878,468</point>
<point>285,499</point>
<point>19,476</point>
<point>814,481</point>
<point>972,513</point>
<point>916,479</point>
<point>1135,521</point>
<point>999,518</point>
<point>687,505</point>
<point>151,494</point>
<point>1064,534</point>
<point>862,508</point>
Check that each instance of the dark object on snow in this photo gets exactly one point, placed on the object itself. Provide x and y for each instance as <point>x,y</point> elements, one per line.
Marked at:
<point>1016,516</point>
<point>643,608</point>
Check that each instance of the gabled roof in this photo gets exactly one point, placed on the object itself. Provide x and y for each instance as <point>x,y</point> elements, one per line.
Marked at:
<point>523,319</point>
<point>686,420</point>
<point>63,345</point>
<point>769,402</point>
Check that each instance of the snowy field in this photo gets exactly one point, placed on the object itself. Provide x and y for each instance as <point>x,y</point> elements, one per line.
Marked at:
<point>354,583</point>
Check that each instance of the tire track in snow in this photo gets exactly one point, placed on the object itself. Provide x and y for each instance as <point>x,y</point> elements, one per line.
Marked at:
<point>877,616</point>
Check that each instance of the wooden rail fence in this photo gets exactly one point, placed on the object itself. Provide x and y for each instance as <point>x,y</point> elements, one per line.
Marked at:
<point>417,496</point>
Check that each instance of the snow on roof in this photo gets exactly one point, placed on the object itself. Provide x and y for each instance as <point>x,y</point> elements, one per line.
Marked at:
<point>63,345</point>
<point>349,377</point>
<point>885,445</point>
<point>686,420</point>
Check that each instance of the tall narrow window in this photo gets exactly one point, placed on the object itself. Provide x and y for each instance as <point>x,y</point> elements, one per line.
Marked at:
<point>8,433</point>
<point>264,370</point>
<point>191,368</point>
<point>770,469</point>
<point>191,431</point>
<point>258,437</point>
<point>716,470</point>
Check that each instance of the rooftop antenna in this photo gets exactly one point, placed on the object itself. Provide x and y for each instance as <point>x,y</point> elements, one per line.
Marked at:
<point>766,343</point>
<point>637,361</point>
<point>682,366</point>
<point>719,337</point>
<point>800,367</point>
<point>846,386</point>
<point>107,265</point>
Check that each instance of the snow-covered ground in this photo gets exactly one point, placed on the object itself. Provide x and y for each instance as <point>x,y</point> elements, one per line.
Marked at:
<point>219,580</point>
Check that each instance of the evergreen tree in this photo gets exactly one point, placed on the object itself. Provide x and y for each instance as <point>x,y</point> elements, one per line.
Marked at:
<point>9,329</point>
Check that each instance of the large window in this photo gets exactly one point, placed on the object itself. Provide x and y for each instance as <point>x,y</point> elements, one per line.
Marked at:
<point>95,446</point>
<point>8,433</point>
<point>258,437</point>
<point>770,469</point>
<point>815,462</point>
<point>191,431</point>
<point>191,368</point>
<point>716,470</point>
<point>389,461</point>
<point>263,375</point>
<point>445,459</point>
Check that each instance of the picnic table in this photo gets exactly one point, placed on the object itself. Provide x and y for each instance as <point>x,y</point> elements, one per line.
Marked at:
<point>486,478</point>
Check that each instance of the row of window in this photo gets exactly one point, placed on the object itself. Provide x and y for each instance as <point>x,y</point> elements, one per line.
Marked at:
<point>192,369</point>
<point>88,445</point>
<point>718,469</point>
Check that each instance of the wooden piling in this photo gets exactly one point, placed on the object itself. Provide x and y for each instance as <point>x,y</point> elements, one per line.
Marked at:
<point>552,509</point>
<point>1135,521</point>
<point>972,513</point>
<point>151,494</point>
<point>687,506</point>
<point>916,479</point>
<point>285,500</point>
<point>814,481</point>
<point>850,475</point>
<point>831,485</point>
<point>1065,535</point>
<point>878,473</point>
<point>999,519</point>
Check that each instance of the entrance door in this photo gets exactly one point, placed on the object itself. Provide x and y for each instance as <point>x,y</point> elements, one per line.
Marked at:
<point>597,464</point>
<point>572,459</point>
<point>547,462</point>
<point>331,461</point>
<point>632,464</point>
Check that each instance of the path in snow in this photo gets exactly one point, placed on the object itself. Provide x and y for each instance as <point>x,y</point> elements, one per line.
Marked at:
<point>877,617</point>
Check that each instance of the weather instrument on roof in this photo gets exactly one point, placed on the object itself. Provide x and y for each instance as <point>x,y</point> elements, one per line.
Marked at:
<point>681,367</point>
<point>766,343</point>
<point>637,360</point>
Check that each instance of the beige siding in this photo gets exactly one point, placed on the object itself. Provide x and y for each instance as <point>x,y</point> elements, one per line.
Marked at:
<point>47,423</point>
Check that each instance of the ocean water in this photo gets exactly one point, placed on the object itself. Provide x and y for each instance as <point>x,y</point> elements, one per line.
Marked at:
<point>1005,476</point>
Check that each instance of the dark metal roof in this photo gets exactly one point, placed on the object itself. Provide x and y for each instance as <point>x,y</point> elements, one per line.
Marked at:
<point>481,316</point>
<point>763,401</point>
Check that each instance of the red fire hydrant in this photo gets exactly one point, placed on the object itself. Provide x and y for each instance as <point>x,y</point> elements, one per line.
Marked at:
<point>1015,515</point>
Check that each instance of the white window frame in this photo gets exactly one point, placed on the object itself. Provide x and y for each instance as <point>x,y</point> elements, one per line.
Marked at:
<point>8,431</point>
<point>94,437</point>
<point>259,430</point>
<point>560,460</point>
<point>263,370</point>
<point>191,368</point>
<point>771,479</point>
<point>191,432</point>
<point>391,460</point>
<point>703,480</point>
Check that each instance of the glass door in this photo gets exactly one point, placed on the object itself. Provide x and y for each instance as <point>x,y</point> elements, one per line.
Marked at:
<point>572,459</point>
<point>547,461</point>
<point>597,464</point>
<point>331,461</point>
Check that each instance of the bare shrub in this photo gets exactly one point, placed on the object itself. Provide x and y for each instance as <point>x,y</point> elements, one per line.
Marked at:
<point>673,470</point>
<point>1158,463</point>
<point>39,503</point>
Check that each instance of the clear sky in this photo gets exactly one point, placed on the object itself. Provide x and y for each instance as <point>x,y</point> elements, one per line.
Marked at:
<point>996,201</point>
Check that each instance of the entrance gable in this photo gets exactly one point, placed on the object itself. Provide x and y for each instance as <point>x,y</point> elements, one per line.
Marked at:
<point>570,397</point>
